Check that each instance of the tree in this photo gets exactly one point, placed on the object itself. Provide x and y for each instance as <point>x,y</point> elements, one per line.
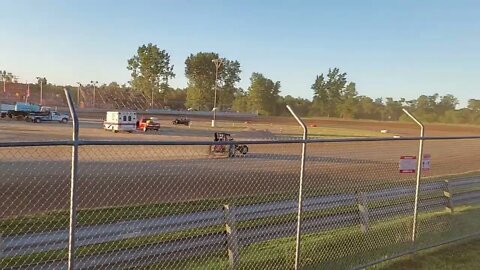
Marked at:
<point>8,76</point>
<point>263,94</point>
<point>201,73</point>
<point>327,94</point>
<point>151,70</point>
<point>348,101</point>
<point>320,97</point>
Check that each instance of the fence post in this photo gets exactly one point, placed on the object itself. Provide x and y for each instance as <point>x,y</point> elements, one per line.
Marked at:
<point>73,185</point>
<point>448,194</point>
<point>363,211</point>
<point>232,239</point>
<point>300,188</point>
<point>419,175</point>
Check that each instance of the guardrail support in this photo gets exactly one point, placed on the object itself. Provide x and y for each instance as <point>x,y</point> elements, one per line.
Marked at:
<point>363,211</point>
<point>448,195</point>
<point>232,239</point>
<point>300,188</point>
<point>419,175</point>
<point>73,184</point>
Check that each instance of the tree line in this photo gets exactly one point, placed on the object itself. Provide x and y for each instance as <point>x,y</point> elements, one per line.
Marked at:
<point>333,95</point>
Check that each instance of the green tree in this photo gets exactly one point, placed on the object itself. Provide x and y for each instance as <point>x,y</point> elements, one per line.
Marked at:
<point>320,97</point>
<point>327,93</point>
<point>151,70</point>
<point>201,72</point>
<point>263,94</point>
<point>348,101</point>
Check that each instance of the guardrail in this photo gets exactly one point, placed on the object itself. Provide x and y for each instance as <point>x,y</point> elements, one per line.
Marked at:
<point>374,205</point>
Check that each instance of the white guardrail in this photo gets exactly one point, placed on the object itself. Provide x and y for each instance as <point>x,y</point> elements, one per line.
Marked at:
<point>434,194</point>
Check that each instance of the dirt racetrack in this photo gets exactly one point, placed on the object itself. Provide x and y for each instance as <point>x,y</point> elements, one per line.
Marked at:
<point>36,179</point>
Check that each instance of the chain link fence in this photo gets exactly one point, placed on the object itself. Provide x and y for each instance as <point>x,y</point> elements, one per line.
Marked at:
<point>167,205</point>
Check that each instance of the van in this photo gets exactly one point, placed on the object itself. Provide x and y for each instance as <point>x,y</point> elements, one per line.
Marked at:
<point>117,121</point>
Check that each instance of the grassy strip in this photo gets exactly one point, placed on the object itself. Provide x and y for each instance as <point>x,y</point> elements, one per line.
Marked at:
<point>463,255</point>
<point>390,231</point>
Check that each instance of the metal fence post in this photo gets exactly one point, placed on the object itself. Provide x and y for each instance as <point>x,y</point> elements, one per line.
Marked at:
<point>232,239</point>
<point>363,211</point>
<point>300,188</point>
<point>448,195</point>
<point>419,175</point>
<point>73,185</point>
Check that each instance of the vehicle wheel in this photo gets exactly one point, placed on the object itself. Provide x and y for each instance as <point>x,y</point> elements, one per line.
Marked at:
<point>10,116</point>
<point>37,120</point>
<point>114,131</point>
<point>64,120</point>
<point>244,150</point>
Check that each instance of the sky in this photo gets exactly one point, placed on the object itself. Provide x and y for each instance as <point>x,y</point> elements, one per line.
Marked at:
<point>388,48</point>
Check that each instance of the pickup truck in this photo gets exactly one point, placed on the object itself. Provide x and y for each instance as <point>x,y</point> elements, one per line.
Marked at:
<point>146,124</point>
<point>48,116</point>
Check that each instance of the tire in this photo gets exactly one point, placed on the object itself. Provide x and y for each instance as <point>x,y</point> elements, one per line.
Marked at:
<point>37,120</point>
<point>114,131</point>
<point>64,120</point>
<point>244,150</point>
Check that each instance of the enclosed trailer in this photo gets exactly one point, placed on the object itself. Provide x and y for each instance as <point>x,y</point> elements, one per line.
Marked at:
<point>120,121</point>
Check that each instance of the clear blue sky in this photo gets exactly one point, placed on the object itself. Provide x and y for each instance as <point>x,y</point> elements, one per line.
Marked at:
<point>389,48</point>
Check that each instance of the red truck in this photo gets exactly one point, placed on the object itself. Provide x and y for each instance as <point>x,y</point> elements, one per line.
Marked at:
<point>148,123</point>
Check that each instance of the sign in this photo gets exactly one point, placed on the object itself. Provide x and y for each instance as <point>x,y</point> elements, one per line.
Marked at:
<point>408,164</point>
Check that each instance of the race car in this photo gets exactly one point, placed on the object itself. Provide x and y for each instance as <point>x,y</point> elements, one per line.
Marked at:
<point>181,121</point>
<point>231,149</point>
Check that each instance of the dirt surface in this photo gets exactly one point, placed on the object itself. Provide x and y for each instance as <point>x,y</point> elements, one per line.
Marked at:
<point>36,179</point>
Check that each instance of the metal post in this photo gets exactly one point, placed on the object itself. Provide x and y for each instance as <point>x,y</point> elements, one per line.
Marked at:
<point>41,92</point>
<point>218,63</point>
<point>419,175</point>
<point>300,188</point>
<point>232,238</point>
<point>73,178</point>
<point>94,88</point>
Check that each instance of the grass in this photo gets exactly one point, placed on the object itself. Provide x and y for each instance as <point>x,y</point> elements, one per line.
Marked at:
<point>463,255</point>
<point>338,248</point>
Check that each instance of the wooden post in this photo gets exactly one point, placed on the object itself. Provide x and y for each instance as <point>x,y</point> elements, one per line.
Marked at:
<point>449,196</point>
<point>232,239</point>
<point>363,211</point>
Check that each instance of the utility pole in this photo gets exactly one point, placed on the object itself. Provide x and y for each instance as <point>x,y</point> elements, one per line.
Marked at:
<point>41,79</point>
<point>218,63</point>
<point>94,86</point>
<point>78,94</point>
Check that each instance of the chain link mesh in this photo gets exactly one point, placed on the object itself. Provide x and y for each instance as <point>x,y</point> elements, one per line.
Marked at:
<point>184,207</point>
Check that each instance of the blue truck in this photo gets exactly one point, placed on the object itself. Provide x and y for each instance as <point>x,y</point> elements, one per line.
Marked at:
<point>21,110</point>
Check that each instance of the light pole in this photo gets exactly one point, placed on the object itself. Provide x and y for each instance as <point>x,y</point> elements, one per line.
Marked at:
<point>40,79</point>
<point>78,94</point>
<point>218,63</point>
<point>94,85</point>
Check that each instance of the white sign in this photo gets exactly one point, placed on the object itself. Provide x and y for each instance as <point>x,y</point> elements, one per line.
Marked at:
<point>408,164</point>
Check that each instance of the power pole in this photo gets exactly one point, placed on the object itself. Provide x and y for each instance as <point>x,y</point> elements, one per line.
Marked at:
<point>94,86</point>
<point>218,63</point>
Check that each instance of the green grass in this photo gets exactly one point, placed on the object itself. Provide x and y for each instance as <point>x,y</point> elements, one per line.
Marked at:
<point>338,248</point>
<point>462,255</point>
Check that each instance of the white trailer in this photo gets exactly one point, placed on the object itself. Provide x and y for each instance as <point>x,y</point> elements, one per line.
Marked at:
<point>120,121</point>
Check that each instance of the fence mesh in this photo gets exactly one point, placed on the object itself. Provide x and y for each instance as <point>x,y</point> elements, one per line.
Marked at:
<point>184,207</point>
<point>34,192</point>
